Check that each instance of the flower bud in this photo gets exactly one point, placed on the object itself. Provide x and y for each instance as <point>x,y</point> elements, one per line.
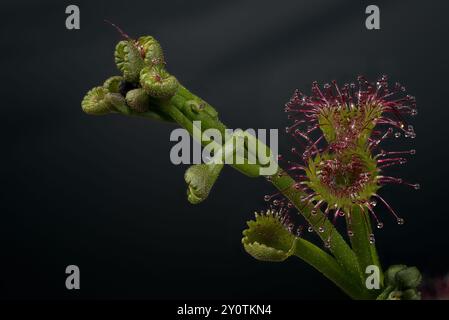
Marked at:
<point>408,278</point>
<point>390,274</point>
<point>411,294</point>
<point>267,239</point>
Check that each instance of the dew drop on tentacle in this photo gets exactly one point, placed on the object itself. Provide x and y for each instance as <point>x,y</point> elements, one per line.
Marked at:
<point>327,243</point>
<point>372,239</point>
<point>343,113</point>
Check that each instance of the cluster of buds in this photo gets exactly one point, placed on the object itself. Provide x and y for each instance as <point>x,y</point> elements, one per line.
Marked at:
<point>340,166</point>
<point>144,79</point>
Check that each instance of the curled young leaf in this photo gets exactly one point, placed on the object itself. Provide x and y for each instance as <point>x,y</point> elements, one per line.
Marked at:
<point>152,51</point>
<point>118,103</point>
<point>158,83</point>
<point>112,84</point>
<point>267,239</point>
<point>200,179</point>
<point>138,100</point>
<point>128,60</point>
<point>95,102</point>
<point>99,101</point>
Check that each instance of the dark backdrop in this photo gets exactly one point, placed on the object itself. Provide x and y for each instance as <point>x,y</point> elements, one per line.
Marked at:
<point>101,193</point>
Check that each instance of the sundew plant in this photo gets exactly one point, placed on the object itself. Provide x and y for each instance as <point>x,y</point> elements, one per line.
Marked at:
<point>335,172</point>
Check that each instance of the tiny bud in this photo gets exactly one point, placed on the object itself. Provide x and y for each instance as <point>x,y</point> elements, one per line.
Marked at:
<point>408,278</point>
<point>390,274</point>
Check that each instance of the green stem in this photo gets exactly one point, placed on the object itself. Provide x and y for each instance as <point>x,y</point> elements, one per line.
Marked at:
<point>385,293</point>
<point>251,170</point>
<point>361,243</point>
<point>329,267</point>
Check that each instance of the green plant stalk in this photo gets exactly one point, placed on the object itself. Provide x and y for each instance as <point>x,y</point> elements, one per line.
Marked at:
<point>385,293</point>
<point>178,110</point>
<point>206,123</point>
<point>329,267</point>
<point>365,251</point>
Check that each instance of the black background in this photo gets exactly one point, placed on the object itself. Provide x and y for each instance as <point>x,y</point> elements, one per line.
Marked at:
<point>101,193</point>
